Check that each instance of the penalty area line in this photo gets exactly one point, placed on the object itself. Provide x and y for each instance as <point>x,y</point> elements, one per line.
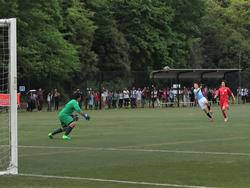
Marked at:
<point>112,181</point>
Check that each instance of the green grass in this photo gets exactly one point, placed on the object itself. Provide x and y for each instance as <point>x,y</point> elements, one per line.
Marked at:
<point>144,141</point>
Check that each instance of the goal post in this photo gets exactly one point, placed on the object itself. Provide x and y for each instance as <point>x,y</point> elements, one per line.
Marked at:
<point>8,87</point>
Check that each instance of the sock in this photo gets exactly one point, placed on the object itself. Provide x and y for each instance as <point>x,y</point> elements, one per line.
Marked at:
<point>224,114</point>
<point>208,114</point>
<point>68,130</point>
<point>57,131</point>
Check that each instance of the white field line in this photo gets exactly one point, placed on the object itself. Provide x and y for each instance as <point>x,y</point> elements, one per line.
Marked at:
<point>187,142</point>
<point>50,153</point>
<point>111,181</point>
<point>141,150</point>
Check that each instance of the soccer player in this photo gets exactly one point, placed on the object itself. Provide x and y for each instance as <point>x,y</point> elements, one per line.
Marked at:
<point>202,101</point>
<point>67,119</point>
<point>224,92</point>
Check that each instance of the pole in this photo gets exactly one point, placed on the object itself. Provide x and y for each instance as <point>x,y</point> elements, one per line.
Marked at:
<point>100,89</point>
<point>178,90</point>
<point>239,77</point>
<point>240,69</point>
<point>13,96</point>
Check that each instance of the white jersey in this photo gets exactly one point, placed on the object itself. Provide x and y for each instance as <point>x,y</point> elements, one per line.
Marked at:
<point>198,94</point>
<point>245,93</point>
<point>138,94</point>
<point>200,98</point>
<point>121,96</point>
<point>126,94</point>
<point>133,94</point>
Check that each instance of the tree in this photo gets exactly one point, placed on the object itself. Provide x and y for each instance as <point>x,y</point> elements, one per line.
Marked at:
<point>146,27</point>
<point>226,34</point>
<point>64,41</point>
<point>8,8</point>
<point>43,53</point>
<point>79,29</point>
<point>110,44</point>
<point>186,23</point>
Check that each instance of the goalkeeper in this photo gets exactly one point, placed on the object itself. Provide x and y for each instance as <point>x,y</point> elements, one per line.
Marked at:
<point>67,119</point>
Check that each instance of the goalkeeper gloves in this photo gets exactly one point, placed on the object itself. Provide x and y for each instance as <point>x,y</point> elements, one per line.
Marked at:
<point>75,117</point>
<point>86,116</point>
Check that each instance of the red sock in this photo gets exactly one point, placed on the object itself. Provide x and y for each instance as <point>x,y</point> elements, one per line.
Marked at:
<point>224,114</point>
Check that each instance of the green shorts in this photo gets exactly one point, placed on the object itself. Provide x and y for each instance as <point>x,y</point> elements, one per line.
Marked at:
<point>65,119</point>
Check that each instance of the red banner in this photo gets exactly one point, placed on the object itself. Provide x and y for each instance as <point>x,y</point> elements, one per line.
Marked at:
<point>5,99</point>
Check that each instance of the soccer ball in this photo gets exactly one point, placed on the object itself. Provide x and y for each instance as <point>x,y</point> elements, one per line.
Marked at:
<point>167,68</point>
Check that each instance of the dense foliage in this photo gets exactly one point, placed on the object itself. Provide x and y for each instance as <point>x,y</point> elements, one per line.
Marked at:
<point>64,40</point>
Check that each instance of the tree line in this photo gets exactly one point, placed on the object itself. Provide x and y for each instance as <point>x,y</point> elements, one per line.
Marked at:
<point>60,42</point>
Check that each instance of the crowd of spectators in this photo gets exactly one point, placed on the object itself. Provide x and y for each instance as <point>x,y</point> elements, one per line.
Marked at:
<point>146,96</point>
<point>242,95</point>
<point>128,98</point>
<point>35,99</point>
<point>116,99</point>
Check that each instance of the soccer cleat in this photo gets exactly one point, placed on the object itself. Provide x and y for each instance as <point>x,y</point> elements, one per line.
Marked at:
<point>50,135</point>
<point>65,137</point>
<point>225,119</point>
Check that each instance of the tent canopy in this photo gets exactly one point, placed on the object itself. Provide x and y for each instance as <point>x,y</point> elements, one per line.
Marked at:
<point>191,73</point>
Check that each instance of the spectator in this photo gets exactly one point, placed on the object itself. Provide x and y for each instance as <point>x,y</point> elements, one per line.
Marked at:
<point>126,97</point>
<point>192,98</point>
<point>109,99</point>
<point>138,97</point>
<point>209,95</point>
<point>144,96</point>
<point>247,95</point>
<point>213,94</point>
<point>120,96</point>
<point>91,100</point>
<point>154,95</point>
<point>56,97</point>
<point>244,95</point>
<point>164,97</point>
<point>31,100</point>
<point>81,101</point>
<point>159,97</point>
<point>204,91</point>
<point>87,98</point>
<point>49,101</point>
<point>239,94</point>
<point>186,99</point>
<point>171,97</point>
<point>104,97</point>
<point>39,99</point>
<point>96,99</point>
<point>133,98</point>
<point>114,99</point>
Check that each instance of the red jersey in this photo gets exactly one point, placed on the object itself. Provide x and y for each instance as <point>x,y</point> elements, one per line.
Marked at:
<point>224,93</point>
<point>97,96</point>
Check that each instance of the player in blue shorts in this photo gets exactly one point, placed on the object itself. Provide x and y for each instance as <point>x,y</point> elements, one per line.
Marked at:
<point>202,101</point>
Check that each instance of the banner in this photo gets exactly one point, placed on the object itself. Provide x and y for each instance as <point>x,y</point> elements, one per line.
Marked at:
<point>5,99</point>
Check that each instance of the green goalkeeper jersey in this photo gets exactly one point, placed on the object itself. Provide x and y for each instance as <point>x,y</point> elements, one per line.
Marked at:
<point>70,107</point>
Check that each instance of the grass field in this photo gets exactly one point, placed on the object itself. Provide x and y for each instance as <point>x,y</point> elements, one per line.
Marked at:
<point>136,148</point>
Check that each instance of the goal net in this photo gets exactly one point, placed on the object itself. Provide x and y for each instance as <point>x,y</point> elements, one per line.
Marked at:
<point>8,97</point>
